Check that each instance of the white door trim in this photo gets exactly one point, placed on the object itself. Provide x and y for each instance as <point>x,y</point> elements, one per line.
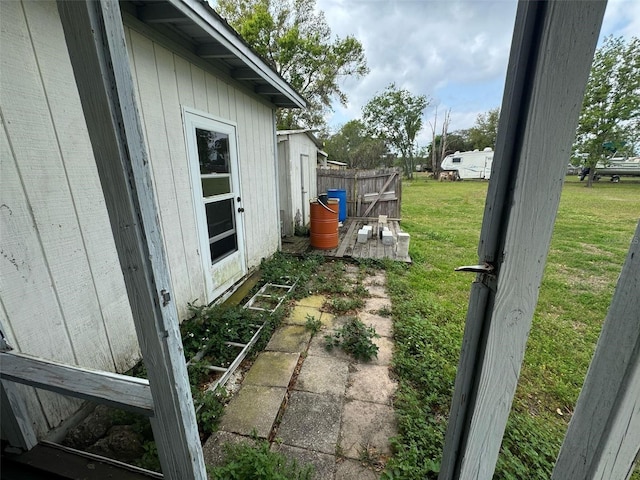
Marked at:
<point>224,272</point>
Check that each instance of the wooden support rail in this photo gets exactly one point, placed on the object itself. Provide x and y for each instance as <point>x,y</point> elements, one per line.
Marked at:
<point>119,391</point>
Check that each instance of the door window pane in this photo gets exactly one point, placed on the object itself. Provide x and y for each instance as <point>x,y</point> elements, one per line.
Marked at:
<point>220,218</point>
<point>215,185</point>
<point>213,151</point>
<point>223,247</point>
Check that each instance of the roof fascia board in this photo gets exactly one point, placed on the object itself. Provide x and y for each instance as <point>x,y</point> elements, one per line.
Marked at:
<point>197,12</point>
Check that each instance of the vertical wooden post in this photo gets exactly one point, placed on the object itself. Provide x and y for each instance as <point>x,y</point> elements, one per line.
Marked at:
<point>551,54</point>
<point>96,43</point>
<point>603,439</point>
<point>15,420</point>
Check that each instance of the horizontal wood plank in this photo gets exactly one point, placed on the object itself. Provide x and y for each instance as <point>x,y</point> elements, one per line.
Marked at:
<point>119,391</point>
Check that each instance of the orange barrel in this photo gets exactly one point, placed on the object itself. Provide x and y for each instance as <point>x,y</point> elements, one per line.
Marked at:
<point>324,225</point>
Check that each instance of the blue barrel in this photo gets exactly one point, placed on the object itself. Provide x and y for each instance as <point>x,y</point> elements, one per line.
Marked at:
<point>342,196</point>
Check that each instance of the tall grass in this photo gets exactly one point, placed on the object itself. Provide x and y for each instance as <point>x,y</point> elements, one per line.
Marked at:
<point>592,234</point>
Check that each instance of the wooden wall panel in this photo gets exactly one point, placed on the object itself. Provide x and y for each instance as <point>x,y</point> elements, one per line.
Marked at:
<point>35,146</point>
<point>156,131</point>
<point>28,300</point>
<point>166,82</point>
<point>66,301</point>
<point>75,149</point>
<point>176,89</point>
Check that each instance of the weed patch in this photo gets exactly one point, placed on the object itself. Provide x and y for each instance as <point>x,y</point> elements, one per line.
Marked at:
<point>355,338</point>
<point>260,463</point>
<point>340,305</point>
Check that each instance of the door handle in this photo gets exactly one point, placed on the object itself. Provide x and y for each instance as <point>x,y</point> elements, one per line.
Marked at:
<point>240,209</point>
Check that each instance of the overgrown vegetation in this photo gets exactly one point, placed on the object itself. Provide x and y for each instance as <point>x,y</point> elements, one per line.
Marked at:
<point>590,241</point>
<point>355,338</point>
<point>258,462</point>
<point>312,324</point>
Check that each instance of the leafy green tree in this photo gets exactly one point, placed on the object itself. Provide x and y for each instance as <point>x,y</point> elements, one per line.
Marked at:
<point>295,39</point>
<point>395,115</point>
<point>611,107</point>
<point>485,131</point>
<point>355,147</point>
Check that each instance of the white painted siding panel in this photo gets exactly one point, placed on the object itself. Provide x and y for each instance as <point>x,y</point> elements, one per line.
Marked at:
<point>84,183</point>
<point>166,82</point>
<point>62,291</point>
<point>28,299</point>
<point>156,131</point>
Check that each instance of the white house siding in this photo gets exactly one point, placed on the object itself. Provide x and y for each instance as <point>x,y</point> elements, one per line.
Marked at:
<point>167,81</point>
<point>290,149</point>
<point>61,289</point>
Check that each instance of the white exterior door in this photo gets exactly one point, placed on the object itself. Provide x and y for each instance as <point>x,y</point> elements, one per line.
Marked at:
<point>304,180</point>
<point>213,163</point>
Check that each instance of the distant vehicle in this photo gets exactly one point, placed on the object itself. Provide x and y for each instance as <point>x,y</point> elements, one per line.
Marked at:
<point>418,168</point>
<point>573,170</point>
<point>617,167</point>
<point>469,165</point>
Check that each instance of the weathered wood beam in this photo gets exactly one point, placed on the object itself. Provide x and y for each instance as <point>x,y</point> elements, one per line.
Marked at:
<point>213,50</point>
<point>551,53</point>
<point>119,391</point>
<point>603,438</point>
<point>15,420</point>
<point>96,43</point>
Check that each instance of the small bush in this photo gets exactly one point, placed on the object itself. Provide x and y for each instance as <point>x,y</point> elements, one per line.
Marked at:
<point>258,463</point>
<point>312,324</point>
<point>341,306</point>
<point>355,339</point>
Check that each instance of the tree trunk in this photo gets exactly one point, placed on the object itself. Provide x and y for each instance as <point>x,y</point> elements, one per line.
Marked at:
<point>592,172</point>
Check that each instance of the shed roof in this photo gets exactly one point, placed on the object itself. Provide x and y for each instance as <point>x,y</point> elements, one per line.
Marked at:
<point>210,37</point>
<point>307,131</point>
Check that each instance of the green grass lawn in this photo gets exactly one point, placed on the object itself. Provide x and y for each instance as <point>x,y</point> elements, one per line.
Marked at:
<point>592,234</point>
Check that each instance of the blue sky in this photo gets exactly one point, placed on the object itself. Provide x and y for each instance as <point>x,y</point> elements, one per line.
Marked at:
<point>454,51</point>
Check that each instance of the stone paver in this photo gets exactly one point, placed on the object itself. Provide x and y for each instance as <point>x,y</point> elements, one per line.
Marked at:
<point>377,291</point>
<point>326,375</point>
<point>327,319</point>
<point>353,470</point>
<point>385,351</point>
<point>213,449</point>
<point>311,421</point>
<point>298,315</point>
<point>317,348</point>
<point>315,301</point>
<point>289,338</point>
<point>254,407</point>
<point>272,369</point>
<point>377,279</point>
<point>382,325</point>
<point>366,425</point>
<point>324,464</point>
<point>371,383</point>
<point>373,304</point>
<point>335,402</point>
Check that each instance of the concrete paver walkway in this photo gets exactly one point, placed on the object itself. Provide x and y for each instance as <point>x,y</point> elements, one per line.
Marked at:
<point>314,405</point>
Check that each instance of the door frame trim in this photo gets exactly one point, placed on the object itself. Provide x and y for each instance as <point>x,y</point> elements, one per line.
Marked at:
<point>190,119</point>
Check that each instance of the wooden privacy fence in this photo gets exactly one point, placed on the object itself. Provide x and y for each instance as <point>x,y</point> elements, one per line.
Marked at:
<point>369,192</point>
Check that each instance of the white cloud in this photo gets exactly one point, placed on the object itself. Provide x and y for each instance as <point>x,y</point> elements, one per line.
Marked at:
<point>456,52</point>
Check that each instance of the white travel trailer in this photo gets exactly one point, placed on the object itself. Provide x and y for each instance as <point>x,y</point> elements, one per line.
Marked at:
<point>469,165</point>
